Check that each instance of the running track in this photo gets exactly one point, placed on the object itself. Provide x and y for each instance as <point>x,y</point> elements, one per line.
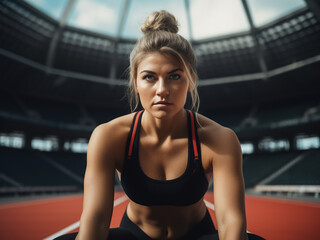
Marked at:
<point>271,218</point>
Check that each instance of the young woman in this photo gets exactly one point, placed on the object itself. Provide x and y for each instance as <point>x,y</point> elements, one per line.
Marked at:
<point>164,155</point>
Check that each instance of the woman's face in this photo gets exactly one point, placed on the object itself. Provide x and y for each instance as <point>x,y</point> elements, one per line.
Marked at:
<point>162,85</point>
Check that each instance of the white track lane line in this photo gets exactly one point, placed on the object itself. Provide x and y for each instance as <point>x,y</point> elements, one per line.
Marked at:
<point>77,224</point>
<point>209,205</point>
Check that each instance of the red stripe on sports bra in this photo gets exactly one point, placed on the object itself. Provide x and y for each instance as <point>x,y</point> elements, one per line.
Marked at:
<point>194,142</point>
<point>133,134</point>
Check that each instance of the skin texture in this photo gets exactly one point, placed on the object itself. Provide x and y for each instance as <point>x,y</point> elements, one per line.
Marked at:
<point>162,86</point>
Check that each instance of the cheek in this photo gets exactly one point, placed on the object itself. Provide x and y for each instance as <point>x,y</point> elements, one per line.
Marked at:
<point>144,90</point>
<point>182,89</point>
<point>138,87</point>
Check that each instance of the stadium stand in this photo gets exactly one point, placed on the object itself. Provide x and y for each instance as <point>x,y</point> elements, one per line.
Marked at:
<point>31,172</point>
<point>5,181</point>
<point>297,178</point>
<point>259,166</point>
<point>305,172</point>
<point>74,162</point>
<point>53,110</point>
<point>9,105</point>
<point>267,113</point>
<point>101,114</point>
<point>229,117</point>
<point>29,169</point>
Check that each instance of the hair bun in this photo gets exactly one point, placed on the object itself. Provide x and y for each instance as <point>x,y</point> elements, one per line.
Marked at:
<point>162,20</point>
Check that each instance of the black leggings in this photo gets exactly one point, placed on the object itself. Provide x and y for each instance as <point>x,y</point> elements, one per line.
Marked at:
<point>204,230</point>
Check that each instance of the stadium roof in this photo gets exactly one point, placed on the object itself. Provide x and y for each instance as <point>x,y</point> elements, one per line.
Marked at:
<point>43,51</point>
<point>123,18</point>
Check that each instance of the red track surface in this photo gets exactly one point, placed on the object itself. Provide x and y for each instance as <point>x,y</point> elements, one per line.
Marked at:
<point>273,219</point>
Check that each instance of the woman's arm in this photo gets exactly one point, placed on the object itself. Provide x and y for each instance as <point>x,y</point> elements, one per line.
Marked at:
<point>229,195</point>
<point>98,186</point>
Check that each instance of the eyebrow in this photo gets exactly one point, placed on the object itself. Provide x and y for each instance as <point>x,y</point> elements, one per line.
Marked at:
<point>172,71</point>
<point>175,70</point>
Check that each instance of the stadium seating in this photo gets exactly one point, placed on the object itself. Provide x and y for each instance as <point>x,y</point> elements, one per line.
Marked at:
<point>259,166</point>
<point>73,162</point>
<point>274,112</point>
<point>3,182</point>
<point>229,117</point>
<point>101,114</point>
<point>28,171</point>
<point>28,168</point>
<point>9,105</point>
<point>53,110</point>
<point>305,172</point>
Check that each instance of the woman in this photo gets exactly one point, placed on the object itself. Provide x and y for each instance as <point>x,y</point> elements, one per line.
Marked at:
<point>164,155</point>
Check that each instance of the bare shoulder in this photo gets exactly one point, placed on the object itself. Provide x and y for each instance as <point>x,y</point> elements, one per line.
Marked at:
<point>115,129</point>
<point>108,140</point>
<point>216,137</point>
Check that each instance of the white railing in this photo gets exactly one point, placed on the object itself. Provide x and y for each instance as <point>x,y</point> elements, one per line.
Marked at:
<point>289,189</point>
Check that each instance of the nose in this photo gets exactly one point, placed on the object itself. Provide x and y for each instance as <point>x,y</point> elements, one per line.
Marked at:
<point>162,88</point>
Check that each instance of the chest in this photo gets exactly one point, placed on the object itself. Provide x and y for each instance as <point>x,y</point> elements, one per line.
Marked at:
<point>167,172</point>
<point>169,160</point>
<point>163,161</point>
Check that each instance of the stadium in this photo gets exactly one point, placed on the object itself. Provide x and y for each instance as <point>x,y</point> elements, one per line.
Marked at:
<point>63,74</point>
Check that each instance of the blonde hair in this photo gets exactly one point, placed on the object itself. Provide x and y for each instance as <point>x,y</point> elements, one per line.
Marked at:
<point>160,35</point>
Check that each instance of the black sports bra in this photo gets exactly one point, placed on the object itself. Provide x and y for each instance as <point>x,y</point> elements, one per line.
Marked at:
<point>185,190</point>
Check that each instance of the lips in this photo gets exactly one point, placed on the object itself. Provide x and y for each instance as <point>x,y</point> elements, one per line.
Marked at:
<point>163,103</point>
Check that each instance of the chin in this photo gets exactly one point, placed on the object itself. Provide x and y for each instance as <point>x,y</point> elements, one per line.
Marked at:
<point>163,113</point>
<point>160,114</point>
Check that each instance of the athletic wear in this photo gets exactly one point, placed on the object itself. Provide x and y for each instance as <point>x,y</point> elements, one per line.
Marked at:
<point>130,231</point>
<point>204,230</point>
<point>185,190</point>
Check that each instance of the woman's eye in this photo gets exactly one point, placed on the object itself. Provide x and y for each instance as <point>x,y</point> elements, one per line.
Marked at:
<point>148,77</point>
<point>174,77</point>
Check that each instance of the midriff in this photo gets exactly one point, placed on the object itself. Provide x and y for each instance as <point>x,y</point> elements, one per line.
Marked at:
<point>166,222</point>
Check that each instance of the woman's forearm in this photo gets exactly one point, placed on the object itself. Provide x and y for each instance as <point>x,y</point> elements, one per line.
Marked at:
<point>92,233</point>
<point>92,228</point>
<point>234,230</point>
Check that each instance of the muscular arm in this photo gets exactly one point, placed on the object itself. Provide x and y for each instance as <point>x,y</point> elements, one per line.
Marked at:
<point>98,186</point>
<point>229,186</point>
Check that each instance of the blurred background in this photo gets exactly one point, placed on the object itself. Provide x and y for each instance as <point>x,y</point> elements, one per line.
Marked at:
<point>63,72</point>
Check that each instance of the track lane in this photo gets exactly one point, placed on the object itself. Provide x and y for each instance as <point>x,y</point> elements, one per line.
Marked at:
<point>283,219</point>
<point>38,219</point>
<point>271,218</point>
<point>75,226</point>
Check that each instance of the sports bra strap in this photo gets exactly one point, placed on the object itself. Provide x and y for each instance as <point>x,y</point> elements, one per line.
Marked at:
<point>194,142</point>
<point>134,134</point>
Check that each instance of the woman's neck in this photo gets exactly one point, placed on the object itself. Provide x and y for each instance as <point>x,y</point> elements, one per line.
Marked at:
<point>162,129</point>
